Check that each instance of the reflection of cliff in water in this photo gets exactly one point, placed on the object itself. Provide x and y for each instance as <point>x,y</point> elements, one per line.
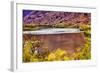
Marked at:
<point>64,40</point>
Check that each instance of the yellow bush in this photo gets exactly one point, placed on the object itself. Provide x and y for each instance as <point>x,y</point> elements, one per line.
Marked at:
<point>58,55</point>
<point>60,52</point>
<point>33,58</point>
<point>65,58</point>
<point>51,57</point>
<point>84,53</point>
<point>27,51</point>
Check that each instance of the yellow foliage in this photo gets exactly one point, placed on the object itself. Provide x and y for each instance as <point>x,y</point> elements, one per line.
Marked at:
<point>34,59</point>
<point>58,55</point>
<point>51,57</point>
<point>65,58</point>
<point>27,46</point>
<point>60,52</point>
<point>78,49</point>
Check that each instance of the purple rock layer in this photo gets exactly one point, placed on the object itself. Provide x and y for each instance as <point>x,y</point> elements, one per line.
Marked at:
<point>54,17</point>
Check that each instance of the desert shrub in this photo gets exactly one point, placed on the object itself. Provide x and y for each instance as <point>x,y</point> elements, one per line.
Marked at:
<point>83,52</point>
<point>59,25</point>
<point>58,55</point>
<point>27,51</point>
<point>51,57</point>
<point>86,28</point>
<point>32,53</point>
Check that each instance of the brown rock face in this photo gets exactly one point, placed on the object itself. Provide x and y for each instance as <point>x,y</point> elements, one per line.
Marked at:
<point>66,41</point>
